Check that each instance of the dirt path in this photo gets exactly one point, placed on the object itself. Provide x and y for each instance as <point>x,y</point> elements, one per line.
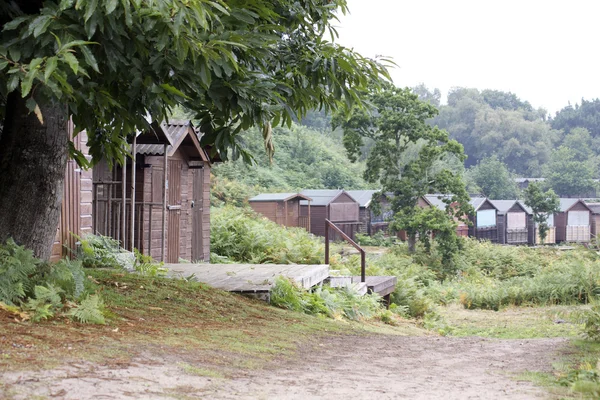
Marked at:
<point>381,367</point>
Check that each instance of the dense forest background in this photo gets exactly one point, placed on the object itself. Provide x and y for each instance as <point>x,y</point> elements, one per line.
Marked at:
<point>503,136</point>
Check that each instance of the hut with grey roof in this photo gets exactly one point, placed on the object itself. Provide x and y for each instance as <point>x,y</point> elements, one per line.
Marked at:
<point>335,205</point>
<point>167,180</point>
<point>282,208</point>
<point>515,222</point>
<point>485,220</point>
<point>437,200</point>
<point>573,222</point>
<point>370,223</point>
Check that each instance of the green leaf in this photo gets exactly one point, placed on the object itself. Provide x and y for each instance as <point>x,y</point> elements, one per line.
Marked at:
<point>70,59</point>
<point>89,58</point>
<point>40,24</point>
<point>13,82</point>
<point>90,8</point>
<point>27,83</point>
<point>3,64</point>
<point>14,23</point>
<point>50,67</point>
<point>174,90</point>
<point>110,6</point>
<point>36,62</point>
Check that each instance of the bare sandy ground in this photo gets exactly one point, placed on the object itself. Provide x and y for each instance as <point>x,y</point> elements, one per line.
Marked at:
<point>345,367</point>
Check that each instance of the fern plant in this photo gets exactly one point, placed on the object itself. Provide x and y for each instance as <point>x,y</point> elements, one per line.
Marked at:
<point>89,311</point>
<point>16,265</point>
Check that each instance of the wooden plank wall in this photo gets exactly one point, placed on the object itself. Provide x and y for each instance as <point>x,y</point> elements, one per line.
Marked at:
<point>76,210</point>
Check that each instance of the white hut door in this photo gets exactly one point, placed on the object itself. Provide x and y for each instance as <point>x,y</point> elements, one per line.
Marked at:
<point>197,212</point>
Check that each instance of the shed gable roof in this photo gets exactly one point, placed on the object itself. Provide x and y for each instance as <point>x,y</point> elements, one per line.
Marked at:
<point>278,197</point>
<point>363,197</point>
<point>567,203</point>
<point>322,197</point>
<point>504,206</point>
<point>477,202</point>
<point>177,132</point>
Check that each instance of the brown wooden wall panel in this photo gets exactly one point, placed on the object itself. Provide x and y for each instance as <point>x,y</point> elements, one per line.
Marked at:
<point>560,223</point>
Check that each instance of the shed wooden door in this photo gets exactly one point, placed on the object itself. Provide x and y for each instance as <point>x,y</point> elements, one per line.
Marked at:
<point>197,211</point>
<point>174,210</point>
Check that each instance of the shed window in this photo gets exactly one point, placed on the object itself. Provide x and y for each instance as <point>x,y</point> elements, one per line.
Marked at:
<point>578,218</point>
<point>486,218</point>
<point>549,221</point>
<point>516,220</point>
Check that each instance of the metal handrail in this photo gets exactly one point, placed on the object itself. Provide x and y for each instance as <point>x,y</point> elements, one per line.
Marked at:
<point>347,238</point>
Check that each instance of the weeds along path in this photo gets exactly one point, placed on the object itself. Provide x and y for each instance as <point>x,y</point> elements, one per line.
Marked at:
<point>344,367</point>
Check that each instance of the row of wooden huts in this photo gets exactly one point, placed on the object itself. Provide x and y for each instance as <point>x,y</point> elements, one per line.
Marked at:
<point>499,221</point>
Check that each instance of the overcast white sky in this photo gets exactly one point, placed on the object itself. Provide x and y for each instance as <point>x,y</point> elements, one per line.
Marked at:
<point>546,52</point>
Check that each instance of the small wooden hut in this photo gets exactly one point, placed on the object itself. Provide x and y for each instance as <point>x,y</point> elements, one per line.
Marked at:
<point>336,205</point>
<point>484,221</point>
<point>595,225</point>
<point>550,234</point>
<point>436,200</point>
<point>282,208</point>
<point>365,215</point>
<point>573,222</point>
<point>168,181</point>
<point>515,222</point>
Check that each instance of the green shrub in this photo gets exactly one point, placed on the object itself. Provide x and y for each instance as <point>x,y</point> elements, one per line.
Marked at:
<point>379,239</point>
<point>241,235</point>
<point>334,303</point>
<point>97,251</point>
<point>39,289</point>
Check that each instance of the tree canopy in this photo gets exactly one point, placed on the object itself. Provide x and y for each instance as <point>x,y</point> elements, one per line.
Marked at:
<point>408,158</point>
<point>116,66</point>
<point>493,179</point>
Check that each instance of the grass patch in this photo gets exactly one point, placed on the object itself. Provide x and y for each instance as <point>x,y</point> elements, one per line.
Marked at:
<point>511,323</point>
<point>168,317</point>
<point>199,371</point>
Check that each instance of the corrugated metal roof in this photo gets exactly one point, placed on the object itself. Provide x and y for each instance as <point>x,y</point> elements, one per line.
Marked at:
<point>363,197</point>
<point>174,130</point>
<point>321,197</point>
<point>276,196</point>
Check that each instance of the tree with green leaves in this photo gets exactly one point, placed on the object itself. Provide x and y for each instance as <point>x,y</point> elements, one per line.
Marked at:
<point>409,158</point>
<point>542,204</point>
<point>569,176</point>
<point>115,66</point>
<point>493,179</point>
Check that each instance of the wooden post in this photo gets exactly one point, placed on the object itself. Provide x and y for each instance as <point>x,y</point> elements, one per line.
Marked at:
<point>309,216</point>
<point>164,207</point>
<point>132,231</point>
<point>285,210</point>
<point>326,242</point>
<point>124,202</point>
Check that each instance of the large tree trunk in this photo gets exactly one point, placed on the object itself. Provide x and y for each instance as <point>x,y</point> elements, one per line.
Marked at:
<point>33,158</point>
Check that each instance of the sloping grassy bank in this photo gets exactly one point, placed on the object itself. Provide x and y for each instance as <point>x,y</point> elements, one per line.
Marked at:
<point>164,316</point>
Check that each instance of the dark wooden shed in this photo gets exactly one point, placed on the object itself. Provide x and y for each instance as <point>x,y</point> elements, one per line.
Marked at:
<point>436,200</point>
<point>336,205</point>
<point>365,214</point>
<point>484,221</point>
<point>573,222</point>
<point>170,188</point>
<point>515,222</point>
<point>595,225</point>
<point>282,208</point>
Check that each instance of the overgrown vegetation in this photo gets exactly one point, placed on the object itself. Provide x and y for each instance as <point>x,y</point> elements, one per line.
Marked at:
<point>37,290</point>
<point>240,235</point>
<point>325,301</point>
